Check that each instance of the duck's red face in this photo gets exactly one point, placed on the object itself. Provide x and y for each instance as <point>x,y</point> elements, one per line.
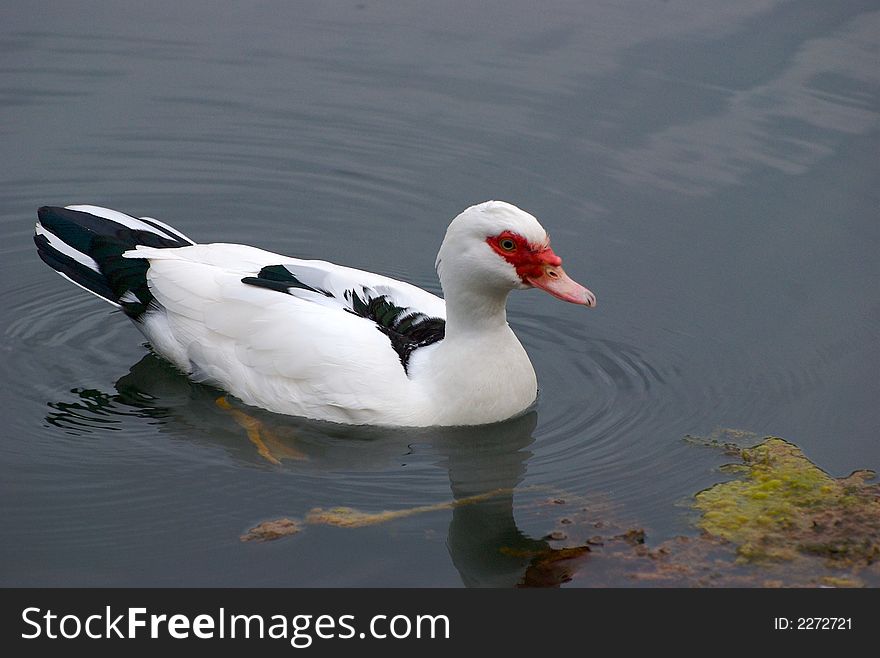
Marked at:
<point>537,265</point>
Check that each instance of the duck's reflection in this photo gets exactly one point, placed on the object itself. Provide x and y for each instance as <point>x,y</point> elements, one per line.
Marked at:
<point>484,464</point>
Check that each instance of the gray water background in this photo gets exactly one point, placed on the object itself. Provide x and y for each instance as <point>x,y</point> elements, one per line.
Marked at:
<point>709,169</point>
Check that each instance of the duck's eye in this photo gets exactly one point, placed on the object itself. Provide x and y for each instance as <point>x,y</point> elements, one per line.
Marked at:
<point>507,244</point>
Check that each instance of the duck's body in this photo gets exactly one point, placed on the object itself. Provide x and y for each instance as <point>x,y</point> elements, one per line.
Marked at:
<point>313,339</point>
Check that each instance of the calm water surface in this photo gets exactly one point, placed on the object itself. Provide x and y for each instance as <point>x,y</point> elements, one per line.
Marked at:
<point>709,169</point>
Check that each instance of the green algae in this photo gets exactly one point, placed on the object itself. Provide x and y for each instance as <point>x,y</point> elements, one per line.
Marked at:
<point>778,521</point>
<point>781,506</point>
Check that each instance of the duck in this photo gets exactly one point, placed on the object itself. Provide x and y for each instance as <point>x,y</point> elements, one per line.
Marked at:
<point>317,340</point>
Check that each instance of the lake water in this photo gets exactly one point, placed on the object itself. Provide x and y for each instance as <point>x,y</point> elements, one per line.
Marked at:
<point>709,169</point>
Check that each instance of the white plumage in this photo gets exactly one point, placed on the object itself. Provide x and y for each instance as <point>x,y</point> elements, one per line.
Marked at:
<point>314,339</point>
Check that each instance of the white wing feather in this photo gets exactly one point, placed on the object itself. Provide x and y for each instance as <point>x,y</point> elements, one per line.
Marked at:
<point>301,353</point>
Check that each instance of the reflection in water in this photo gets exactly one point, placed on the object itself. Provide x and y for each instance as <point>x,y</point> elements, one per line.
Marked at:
<point>485,464</point>
<point>485,544</point>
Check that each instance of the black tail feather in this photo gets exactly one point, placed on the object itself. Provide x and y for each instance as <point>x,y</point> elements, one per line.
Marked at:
<point>74,270</point>
<point>87,248</point>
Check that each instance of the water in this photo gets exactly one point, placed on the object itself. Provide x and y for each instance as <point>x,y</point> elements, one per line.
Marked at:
<point>709,169</point>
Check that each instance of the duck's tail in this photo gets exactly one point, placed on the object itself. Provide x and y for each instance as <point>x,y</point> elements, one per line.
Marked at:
<point>84,244</point>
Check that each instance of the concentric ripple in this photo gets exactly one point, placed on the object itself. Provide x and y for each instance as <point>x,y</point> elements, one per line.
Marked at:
<point>597,398</point>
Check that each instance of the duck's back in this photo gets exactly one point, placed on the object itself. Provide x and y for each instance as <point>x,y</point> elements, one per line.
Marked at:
<point>307,338</point>
<point>298,337</point>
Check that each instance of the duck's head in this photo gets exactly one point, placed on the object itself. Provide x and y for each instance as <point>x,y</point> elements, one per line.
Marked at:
<point>497,247</point>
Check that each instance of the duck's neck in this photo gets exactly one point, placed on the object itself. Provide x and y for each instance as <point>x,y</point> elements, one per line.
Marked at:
<point>472,312</point>
<point>479,373</point>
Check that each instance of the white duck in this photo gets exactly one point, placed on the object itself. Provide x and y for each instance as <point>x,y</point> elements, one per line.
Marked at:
<point>310,338</point>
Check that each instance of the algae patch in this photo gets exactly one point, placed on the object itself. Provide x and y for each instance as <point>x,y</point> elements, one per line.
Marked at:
<point>781,506</point>
<point>779,521</point>
<point>271,530</point>
<point>348,517</point>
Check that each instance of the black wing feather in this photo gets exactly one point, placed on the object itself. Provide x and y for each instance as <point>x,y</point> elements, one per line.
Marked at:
<point>280,279</point>
<point>407,330</point>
